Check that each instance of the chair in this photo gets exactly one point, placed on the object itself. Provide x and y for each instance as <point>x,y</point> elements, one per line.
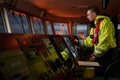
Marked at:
<point>113,70</point>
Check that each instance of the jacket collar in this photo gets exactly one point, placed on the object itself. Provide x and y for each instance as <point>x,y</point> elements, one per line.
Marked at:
<point>99,17</point>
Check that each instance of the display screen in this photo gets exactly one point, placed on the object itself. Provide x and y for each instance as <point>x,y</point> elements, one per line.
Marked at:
<point>71,47</point>
<point>61,47</point>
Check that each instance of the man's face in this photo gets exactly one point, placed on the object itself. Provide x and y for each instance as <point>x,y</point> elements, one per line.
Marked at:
<point>91,15</point>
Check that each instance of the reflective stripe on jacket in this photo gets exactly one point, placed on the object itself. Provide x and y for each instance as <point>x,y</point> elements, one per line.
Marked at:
<point>106,37</point>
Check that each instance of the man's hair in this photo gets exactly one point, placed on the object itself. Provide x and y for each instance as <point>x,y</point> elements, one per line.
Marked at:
<point>94,9</point>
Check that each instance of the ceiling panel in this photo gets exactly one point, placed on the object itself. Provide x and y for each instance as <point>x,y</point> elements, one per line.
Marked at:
<point>74,8</point>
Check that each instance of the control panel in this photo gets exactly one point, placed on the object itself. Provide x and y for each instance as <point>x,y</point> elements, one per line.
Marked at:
<point>29,57</point>
<point>14,66</point>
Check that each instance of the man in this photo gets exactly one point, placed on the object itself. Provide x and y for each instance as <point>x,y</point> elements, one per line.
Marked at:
<point>102,37</point>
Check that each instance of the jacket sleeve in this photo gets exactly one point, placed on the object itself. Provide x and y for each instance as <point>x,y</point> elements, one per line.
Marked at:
<point>87,41</point>
<point>105,35</point>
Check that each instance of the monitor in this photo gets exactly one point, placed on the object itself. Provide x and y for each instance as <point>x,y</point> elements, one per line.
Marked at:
<point>71,47</point>
<point>61,47</point>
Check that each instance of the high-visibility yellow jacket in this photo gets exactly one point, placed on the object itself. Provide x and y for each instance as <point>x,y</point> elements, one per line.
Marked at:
<point>106,37</point>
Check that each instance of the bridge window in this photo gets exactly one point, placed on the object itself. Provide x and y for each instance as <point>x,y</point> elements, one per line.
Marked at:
<point>2,30</point>
<point>61,28</point>
<point>49,27</point>
<point>18,22</point>
<point>38,25</point>
<point>118,26</point>
<point>80,28</point>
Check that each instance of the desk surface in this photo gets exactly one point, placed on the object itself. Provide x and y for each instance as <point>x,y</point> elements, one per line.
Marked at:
<point>88,63</point>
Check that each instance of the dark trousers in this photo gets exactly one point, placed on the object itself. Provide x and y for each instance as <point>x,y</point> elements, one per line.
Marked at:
<point>108,58</point>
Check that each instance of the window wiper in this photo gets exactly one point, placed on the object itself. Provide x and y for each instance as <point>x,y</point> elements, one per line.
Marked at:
<point>13,14</point>
<point>22,23</point>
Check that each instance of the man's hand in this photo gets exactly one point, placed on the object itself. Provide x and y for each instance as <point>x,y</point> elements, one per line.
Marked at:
<point>92,58</point>
<point>75,41</point>
<point>82,36</point>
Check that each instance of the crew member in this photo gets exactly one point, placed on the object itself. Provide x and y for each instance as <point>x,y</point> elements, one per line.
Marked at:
<point>102,37</point>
